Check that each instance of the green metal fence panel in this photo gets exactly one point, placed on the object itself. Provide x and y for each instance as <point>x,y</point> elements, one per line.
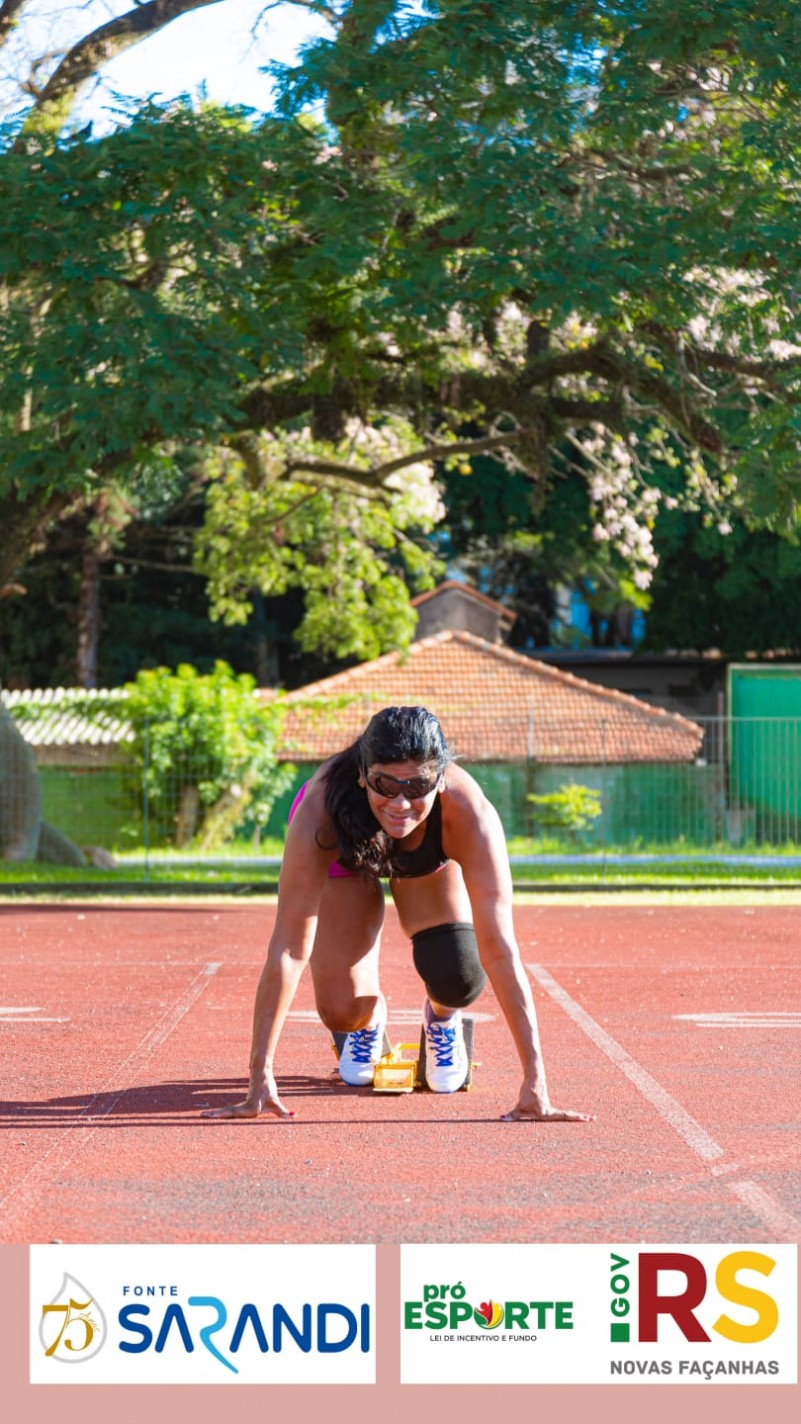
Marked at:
<point>765,767</point>
<point>759,690</point>
<point>765,748</point>
<point>97,804</point>
<point>644,805</point>
<point>506,785</point>
<point>741,791</point>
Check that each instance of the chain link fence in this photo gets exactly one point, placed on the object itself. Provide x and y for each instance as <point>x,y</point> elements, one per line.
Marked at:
<point>741,792</point>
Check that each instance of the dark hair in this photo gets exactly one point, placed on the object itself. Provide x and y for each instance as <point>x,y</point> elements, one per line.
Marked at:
<point>392,735</point>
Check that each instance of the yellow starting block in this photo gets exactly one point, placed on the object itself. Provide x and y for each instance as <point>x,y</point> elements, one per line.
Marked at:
<point>396,1072</point>
<point>402,1069</point>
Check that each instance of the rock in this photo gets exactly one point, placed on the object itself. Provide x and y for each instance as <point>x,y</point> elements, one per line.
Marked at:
<point>98,857</point>
<point>20,794</point>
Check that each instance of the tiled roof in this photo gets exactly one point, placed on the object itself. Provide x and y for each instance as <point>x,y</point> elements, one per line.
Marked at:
<point>494,705</point>
<point>66,716</point>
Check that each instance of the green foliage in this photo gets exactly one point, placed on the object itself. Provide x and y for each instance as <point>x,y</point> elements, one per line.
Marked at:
<point>572,808</point>
<point>355,557</point>
<point>205,748</point>
<point>521,555</point>
<point>738,592</point>
<point>562,225</point>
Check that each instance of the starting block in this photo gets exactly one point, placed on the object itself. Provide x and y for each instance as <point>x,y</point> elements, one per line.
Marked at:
<point>403,1068</point>
<point>396,1071</point>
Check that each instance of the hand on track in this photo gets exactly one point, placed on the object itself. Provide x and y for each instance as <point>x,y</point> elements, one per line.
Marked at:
<point>532,1107</point>
<point>262,1098</point>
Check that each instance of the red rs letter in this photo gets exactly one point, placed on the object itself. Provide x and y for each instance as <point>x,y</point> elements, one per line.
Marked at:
<point>681,1307</point>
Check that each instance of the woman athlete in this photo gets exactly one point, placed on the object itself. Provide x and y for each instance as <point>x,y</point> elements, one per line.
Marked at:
<point>394,804</point>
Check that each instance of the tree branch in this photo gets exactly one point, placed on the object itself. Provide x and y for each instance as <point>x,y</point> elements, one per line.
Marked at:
<point>82,62</point>
<point>317,7</point>
<point>744,365</point>
<point>374,479</point>
<point>9,10</point>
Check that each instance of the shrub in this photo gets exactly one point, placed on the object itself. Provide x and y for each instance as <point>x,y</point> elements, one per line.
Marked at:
<point>572,808</point>
<point>205,747</point>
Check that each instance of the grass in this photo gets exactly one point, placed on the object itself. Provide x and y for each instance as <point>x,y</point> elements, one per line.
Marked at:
<point>544,872</point>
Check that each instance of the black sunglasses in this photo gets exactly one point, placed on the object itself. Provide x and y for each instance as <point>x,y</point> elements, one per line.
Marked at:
<point>414,788</point>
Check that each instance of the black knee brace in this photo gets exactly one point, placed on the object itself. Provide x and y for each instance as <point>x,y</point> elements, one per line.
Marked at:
<point>446,958</point>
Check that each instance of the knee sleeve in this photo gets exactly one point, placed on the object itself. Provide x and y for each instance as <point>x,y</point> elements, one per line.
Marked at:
<point>446,958</point>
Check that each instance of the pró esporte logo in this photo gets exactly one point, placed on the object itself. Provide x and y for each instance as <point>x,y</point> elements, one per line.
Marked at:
<point>72,1327</point>
<point>446,1308</point>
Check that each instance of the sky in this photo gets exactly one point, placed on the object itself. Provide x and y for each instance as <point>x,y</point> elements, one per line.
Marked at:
<point>220,48</point>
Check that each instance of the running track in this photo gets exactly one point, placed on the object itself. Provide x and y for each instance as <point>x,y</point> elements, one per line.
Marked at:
<point>679,1027</point>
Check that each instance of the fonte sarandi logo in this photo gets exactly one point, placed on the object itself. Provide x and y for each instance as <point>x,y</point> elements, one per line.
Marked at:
<point>72,1327</point>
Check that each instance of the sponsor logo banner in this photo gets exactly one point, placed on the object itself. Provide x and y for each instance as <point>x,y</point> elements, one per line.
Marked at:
<point>202,1314</point>
<point>661,1314</point>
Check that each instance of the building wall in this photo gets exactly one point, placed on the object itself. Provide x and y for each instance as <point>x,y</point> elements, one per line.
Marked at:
<point>452,609</point>
<point>693,686</point>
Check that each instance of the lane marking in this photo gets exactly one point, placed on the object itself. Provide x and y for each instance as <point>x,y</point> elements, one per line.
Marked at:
<point>762,1205</point>
<point>395,1016</point>
<point>74,1135</point>
<point>764,1018</point>
<point>695,1136</point>
<point>22,1014</point>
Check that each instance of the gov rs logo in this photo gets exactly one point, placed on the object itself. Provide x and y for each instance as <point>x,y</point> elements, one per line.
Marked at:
<point>677,1286</point>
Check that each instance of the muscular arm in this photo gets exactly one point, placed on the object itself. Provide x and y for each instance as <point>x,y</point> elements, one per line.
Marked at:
<point>478,843</point>
<point>303,876</point>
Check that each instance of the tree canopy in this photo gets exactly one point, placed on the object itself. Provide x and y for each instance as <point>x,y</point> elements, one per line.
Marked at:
<point>561,236</point>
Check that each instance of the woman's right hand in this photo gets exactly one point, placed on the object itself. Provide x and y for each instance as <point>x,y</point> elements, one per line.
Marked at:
<point>262,1097</point>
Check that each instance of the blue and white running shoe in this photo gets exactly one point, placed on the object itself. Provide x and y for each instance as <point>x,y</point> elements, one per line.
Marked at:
<point>446,1056</point>
<point>362,1050</point>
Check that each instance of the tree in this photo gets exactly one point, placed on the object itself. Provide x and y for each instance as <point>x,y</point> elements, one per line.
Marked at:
<point>524,556</point>
<point>574,227</point>
<point>738,591</point>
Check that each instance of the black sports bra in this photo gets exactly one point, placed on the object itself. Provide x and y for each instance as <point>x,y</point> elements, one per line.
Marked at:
<point>429,855</point>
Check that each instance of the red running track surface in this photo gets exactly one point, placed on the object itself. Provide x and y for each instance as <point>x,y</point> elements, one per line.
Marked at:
<point>678,1027</point>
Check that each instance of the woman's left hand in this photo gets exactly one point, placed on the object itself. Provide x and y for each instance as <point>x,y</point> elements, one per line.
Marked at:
<point>536,1107</point>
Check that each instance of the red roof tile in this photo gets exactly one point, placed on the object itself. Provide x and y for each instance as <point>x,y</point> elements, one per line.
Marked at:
<point>494,705</point>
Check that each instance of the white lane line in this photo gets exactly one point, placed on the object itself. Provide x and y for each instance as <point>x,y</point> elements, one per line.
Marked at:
<point>71,1142</point>
<point>765,1018</point>
<point>768,1211</point>
<point>19,1013</point>
<point>695,1136</point>
<point>8,1018</point>
<point>395,1016</point>
<point>763,1206</point>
